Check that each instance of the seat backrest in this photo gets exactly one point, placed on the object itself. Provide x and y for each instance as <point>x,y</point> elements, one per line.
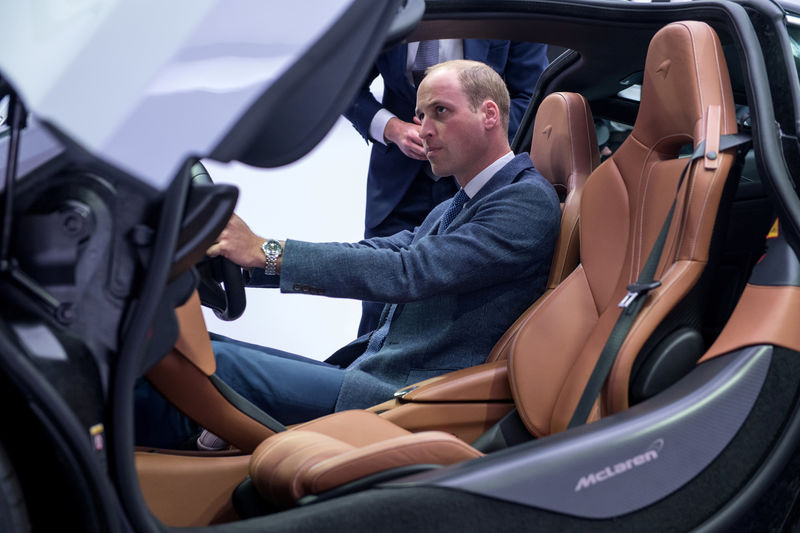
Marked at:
<point>686,98</point>
<point>564,149</point>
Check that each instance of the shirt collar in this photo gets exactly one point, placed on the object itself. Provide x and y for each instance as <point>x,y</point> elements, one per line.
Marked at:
<point>476,183</point>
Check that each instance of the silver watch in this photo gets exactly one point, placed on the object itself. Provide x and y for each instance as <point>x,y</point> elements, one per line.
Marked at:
<point>272,251</point>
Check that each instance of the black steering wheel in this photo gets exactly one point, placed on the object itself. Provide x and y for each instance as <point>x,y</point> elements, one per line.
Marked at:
<point>221,285</point>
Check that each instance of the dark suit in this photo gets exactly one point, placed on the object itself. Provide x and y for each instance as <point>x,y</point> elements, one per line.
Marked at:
<point>458,290</point>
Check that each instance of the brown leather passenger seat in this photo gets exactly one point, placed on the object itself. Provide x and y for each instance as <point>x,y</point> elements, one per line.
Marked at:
<point>469,401</point>
<point>564,149</point>
<point>686,98</point>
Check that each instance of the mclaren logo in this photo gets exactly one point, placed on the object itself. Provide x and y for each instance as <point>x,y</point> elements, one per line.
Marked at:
<point>651,454</point>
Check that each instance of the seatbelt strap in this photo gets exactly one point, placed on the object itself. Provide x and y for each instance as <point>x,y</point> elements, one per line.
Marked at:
<point>506,432</point>
<point>637,292</point>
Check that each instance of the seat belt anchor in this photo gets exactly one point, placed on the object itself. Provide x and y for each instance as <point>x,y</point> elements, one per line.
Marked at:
<point>635,290</point>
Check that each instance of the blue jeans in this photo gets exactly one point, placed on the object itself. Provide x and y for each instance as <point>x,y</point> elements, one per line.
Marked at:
<point>289,387</point>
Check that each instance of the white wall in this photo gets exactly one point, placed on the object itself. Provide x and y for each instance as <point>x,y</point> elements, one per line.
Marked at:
<point>319,198</point>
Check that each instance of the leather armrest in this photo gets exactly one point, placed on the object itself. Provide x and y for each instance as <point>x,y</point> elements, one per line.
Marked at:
<point>482,383</point>
<point>292,464</point>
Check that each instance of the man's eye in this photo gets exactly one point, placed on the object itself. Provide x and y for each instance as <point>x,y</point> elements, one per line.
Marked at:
<point>441,109</point>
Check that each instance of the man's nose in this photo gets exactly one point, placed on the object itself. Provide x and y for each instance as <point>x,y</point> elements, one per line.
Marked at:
<point>425,129</point>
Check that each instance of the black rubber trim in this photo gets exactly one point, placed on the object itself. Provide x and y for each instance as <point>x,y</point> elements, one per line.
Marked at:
<point>62,426</point>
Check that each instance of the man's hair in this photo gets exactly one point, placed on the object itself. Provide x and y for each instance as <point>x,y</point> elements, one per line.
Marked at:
<point>479,82</point>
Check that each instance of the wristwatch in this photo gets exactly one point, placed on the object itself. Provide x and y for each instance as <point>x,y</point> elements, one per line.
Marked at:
<point>272,251</point>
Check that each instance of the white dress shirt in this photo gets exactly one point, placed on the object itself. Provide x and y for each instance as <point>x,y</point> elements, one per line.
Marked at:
<point>482,177</point>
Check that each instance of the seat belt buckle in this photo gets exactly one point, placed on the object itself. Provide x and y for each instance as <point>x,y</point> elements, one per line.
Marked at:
<point>635,290</point>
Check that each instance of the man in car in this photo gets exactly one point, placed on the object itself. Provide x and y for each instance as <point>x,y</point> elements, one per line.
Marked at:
<point>454,285</point>
<point>401,189</point>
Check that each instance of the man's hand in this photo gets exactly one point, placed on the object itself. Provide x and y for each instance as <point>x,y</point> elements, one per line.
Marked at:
<point>406,136</point>
<point>238,243</point>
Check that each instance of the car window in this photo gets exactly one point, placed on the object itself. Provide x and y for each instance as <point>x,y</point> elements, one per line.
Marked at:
<point>634,92</point>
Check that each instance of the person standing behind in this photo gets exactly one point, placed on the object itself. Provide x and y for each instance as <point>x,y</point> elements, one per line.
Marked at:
<point>401,189</point>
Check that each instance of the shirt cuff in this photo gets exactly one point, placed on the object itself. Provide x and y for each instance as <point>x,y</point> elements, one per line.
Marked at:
<point>378,125</point>
<point>255,277</point>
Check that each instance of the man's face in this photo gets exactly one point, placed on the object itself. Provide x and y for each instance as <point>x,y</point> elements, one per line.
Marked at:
<point>453,135</point>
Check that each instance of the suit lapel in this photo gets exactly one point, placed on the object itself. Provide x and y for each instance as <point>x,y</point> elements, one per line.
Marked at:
<point>504,176</point>
<point>393,65</point>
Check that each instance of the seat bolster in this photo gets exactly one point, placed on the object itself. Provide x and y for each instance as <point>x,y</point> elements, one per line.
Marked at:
<point>279,466</point>
<point>502,347</point>
<point>292,464</point>
<point>427,447</point>
<point>676,283</point>
<point>565,257</point>
<point>354,427</point>
<point>762,316</point>
<point>193,341</point>
<point>480,383</point>
<point>186,386</point>
<point>546,348</point>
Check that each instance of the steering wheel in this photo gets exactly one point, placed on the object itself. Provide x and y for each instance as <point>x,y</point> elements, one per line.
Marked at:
<point>221,285</point>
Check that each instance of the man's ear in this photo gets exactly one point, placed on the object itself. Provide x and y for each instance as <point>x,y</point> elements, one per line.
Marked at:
<point>491,114</point>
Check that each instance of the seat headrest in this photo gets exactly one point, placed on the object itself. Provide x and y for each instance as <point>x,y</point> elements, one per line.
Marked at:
<point>564,142</point>
<point>682,76</point>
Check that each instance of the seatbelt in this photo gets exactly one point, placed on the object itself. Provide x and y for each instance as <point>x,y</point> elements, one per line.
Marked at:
<point>506,432</point>
<point>637,292</point>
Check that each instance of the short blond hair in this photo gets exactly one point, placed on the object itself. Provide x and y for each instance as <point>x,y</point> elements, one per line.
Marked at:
<point>479,82</point>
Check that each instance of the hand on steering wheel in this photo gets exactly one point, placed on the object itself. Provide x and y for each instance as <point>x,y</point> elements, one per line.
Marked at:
<point>221,285</point>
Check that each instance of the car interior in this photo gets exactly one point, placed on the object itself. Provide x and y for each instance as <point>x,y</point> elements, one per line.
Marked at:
<point>546,374</point>
<point>532,380</point>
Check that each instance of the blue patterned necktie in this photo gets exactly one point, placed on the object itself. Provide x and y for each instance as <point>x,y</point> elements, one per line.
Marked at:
<point>427,55</point>
<point>456,204</point>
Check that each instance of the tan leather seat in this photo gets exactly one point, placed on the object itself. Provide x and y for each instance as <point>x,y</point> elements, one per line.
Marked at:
<point>330,451</point>
<point>686,97</point>
<point>564,149</point>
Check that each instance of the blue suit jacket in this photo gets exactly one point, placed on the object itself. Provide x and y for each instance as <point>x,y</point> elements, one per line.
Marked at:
<point>459,290</point>
<point>390,171</point>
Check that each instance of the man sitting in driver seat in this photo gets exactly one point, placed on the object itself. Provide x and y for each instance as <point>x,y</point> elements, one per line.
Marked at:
<point>452,286</point>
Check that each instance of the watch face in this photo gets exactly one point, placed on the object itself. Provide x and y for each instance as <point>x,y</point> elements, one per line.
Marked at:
<point>272,248</point>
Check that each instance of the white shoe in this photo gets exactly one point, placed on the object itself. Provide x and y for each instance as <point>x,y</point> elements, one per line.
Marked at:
<point>209,442</point>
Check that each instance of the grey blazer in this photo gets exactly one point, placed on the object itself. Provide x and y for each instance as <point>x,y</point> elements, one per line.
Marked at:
<point>459,291</point>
